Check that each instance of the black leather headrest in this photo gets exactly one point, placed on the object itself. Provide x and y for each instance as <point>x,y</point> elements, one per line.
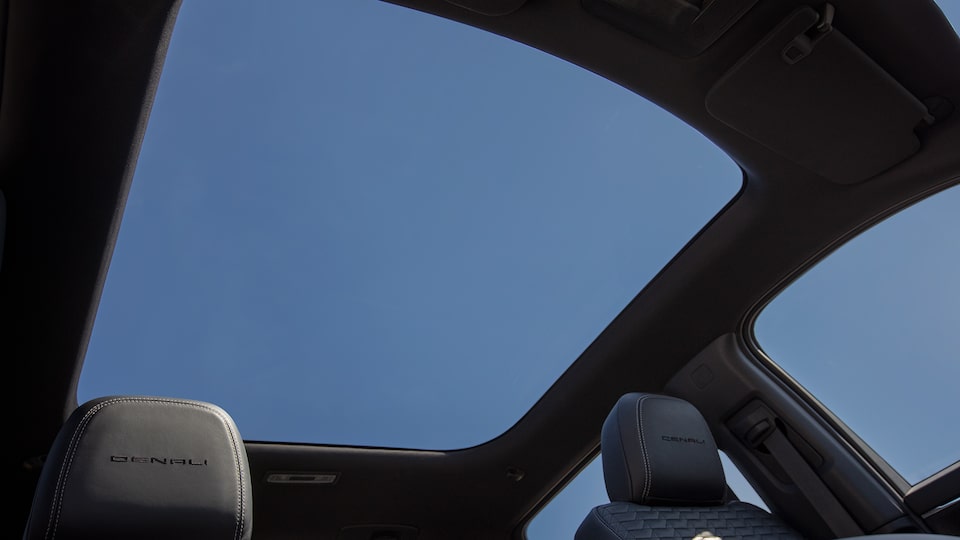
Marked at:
<point>658,451</point>
<point>144,467</point>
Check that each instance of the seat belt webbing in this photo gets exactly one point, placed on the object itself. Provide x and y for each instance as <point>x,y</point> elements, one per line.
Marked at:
<point>822,499</point>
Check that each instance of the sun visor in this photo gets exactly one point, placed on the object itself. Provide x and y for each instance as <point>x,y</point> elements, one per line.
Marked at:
<point>685,28</point>
<point>811,95</point>
<point>489,7</point>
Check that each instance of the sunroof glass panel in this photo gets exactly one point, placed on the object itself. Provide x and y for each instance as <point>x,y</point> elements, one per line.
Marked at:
<point>352,223</point>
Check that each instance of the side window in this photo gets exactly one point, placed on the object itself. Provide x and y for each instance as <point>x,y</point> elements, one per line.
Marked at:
<point>739,484</point>
<point>564,513</point>
<point>873,333</point>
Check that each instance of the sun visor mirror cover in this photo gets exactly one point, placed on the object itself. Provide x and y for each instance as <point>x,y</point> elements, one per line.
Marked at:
<point>685,28</point>
<point>489,7</point>
<point>809,94</point>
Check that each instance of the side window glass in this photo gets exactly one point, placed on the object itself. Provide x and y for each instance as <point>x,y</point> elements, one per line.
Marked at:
<point>561,517</point>
<point>739,484</point>
<point>872,333</point>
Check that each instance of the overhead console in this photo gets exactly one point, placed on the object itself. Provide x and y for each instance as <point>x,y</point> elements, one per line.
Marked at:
<point>808,93</point>
<point>685,28</point>
<point>490,7</point>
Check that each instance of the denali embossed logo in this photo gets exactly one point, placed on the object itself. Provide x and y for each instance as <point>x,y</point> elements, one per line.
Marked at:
<point>673,438</point>
<point>159,460</point>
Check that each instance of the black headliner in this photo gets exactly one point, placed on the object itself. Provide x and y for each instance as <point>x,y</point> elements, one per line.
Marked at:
<point>78,81</point>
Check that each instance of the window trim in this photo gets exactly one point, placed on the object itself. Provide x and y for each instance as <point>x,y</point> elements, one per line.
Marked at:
<point>938,489</point>
<point>868,456</point>
<point>751,346</point>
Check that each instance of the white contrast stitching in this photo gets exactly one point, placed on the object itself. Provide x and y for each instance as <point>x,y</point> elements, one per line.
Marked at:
<point>643,448</point>
<point>54,520</point>
<point>65,471</point>
<point>604,515</point>
<point>238,531</point>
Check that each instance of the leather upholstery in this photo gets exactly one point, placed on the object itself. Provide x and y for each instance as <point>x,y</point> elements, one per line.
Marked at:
<point>144,467</point>
<point>736,520</point>
<point>658,450</point>
<point>665,480</point>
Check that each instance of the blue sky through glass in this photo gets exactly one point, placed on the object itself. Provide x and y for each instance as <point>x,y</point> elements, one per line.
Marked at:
<point>882,312</point>
<point>356,224</point>
<point>352,223</point>
<point>561,517</point>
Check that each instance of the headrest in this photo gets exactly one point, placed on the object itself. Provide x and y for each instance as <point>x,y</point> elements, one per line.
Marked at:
<point>658,451</point>
<point>144,467</point>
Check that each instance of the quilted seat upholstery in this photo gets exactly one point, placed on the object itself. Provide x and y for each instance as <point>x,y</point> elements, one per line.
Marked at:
<point>622,520</point>
<point>665,481</point>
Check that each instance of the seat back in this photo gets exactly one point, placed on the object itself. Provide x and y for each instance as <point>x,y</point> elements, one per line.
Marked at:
<point>662,471</point>
<point>144,467</point>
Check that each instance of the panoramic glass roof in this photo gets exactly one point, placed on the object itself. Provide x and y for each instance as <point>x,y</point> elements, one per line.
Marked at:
<point>352,223</point>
